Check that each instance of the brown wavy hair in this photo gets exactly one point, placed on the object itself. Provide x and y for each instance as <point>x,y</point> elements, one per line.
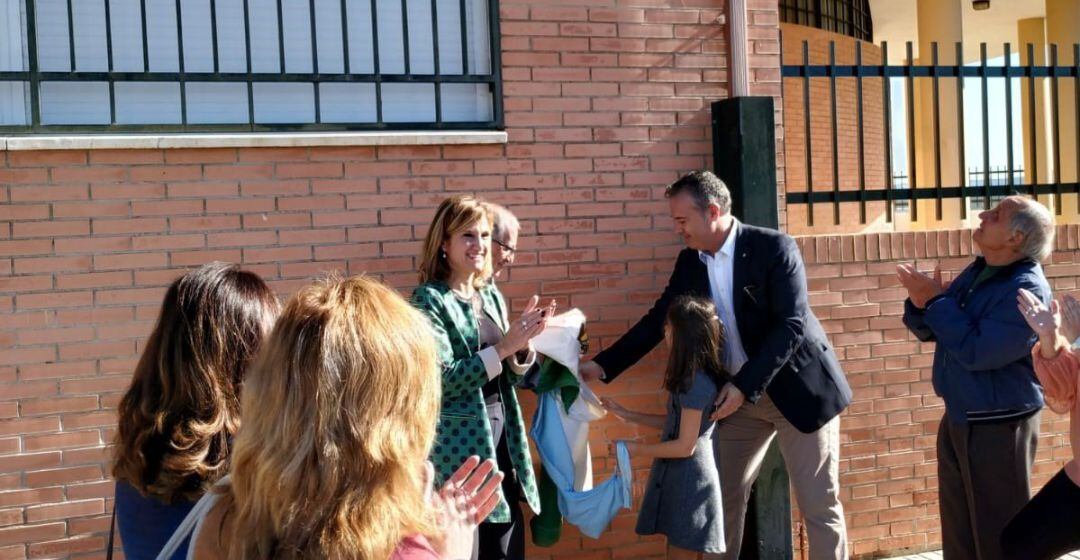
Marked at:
<point>341,408</point>
<point>453,215</point>
<point>182,409</point>
<point>697,343</point>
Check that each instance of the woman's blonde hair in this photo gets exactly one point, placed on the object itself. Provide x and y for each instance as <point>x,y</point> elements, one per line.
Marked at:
<point>178,417</point>
<point>340,414</point>
<point>454,215</point>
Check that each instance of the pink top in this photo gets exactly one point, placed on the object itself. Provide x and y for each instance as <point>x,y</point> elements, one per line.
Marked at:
<point>1059,377</point>
<point>415,547</point>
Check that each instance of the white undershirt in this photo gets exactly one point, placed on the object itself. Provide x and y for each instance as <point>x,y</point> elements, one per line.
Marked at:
<point>721,277</point>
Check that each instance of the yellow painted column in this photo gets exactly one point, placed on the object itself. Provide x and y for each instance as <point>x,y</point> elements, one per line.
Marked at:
<point>1063,30</point>
<point>1033,31</point>
<point>938,22</point>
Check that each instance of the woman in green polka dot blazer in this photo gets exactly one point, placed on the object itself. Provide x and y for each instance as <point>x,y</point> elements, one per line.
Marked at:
<point>483,355</point>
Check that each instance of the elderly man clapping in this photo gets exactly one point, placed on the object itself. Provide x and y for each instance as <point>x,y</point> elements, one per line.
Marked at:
<point>983,371</point>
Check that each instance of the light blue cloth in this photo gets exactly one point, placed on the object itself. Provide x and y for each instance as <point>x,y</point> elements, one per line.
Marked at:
<point>592,510</point>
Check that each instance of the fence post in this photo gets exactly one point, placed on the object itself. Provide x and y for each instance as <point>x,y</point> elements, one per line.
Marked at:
<point>744,155</point>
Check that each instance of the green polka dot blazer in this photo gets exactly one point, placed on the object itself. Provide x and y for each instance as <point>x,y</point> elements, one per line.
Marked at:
<point>464,429</point>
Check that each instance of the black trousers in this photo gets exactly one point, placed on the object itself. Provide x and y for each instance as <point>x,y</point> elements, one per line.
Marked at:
<point>984,479</point>
<point>503,541</point>
<point>1049,525</point>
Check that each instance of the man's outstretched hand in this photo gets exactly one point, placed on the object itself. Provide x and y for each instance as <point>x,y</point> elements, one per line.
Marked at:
<point>590,371</point>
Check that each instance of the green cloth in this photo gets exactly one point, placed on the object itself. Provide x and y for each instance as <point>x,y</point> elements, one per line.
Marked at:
<point>547,525</point>
<point>554,375</point>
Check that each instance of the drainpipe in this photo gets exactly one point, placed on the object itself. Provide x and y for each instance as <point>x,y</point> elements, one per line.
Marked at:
<point>738,61</point>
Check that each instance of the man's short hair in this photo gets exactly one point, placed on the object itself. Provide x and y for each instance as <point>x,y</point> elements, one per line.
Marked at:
<point>705,187</point>
<point>503,221</point>
<point>1035,222</point>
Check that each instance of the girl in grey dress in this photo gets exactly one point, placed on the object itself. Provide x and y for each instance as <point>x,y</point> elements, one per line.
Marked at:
<point>682,499</point>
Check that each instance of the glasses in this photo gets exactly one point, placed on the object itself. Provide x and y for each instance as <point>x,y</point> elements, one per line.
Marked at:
<point>508,249</point>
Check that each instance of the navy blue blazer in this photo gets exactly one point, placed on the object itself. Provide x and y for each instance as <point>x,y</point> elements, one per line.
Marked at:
<point>790,357</point>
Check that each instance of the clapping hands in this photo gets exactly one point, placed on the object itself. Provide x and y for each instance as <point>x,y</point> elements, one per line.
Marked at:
<point>462,503</point>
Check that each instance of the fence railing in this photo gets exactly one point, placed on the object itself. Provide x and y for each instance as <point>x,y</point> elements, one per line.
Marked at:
<point>987,184</point>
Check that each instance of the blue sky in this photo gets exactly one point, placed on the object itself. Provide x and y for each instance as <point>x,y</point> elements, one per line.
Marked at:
<point>972,120</point>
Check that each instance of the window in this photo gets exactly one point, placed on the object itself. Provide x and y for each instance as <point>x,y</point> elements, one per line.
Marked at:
<point>252,65</point>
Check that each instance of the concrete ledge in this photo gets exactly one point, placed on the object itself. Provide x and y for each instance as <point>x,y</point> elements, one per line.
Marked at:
<point>247,140</point>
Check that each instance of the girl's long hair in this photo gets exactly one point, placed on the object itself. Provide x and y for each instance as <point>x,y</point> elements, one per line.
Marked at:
<point>697,343</point>
<point>453,215</point>
<point>182,409</point>
<point>341,408</point>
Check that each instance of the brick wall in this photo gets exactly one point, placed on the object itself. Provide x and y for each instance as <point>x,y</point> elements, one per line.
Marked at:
<point>888,471</point>
<point>606,101</point>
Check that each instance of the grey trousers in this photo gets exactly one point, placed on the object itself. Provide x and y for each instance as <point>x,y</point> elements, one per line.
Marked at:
<point>984,479</point>
<point>813,464</point>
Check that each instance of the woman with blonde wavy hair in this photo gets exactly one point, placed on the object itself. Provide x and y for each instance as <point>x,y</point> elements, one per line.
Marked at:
<point>178,417</point>
<point>340,415</point>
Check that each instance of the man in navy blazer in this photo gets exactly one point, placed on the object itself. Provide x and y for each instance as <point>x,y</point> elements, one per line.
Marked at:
<point>787,381</point>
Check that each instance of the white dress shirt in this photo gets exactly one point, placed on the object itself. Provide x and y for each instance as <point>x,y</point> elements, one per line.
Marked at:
<point>720,267</point>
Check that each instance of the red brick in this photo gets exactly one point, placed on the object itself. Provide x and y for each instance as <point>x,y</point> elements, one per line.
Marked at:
<point>59,404</point>
<point>61,441</point>
<point>120,157</point>
<point>164,173</point>
<point>138,225</point>
<point>45,158</point>
<point>55,477</point>
<point>53,549</point>
<point>90,209</point>
<point>52,370</point>
<point>129,261</point>
<point>166,207</point>
<point>39,193</point>
<point>16,212</point>
<point>202,189</point>
<point>128,191</point>
<point>25,247</point>
<point>294,170</point>
<point>31,533</point>
<point>53,300</point>
<point>48,336</point>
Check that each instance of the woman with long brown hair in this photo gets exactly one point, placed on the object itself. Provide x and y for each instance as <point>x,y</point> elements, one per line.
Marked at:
<point>483,355</point>
<point>340,411</point>
<point>682,498</point>
<point>178,417</point>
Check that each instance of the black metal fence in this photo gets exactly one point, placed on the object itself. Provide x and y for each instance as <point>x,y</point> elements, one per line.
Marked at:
<point>998,176</point>
<point>315,73</point>
<point>990,182</point>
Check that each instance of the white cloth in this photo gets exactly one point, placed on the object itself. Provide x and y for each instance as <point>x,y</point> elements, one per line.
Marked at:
<point>721,279</point>
<point>559,342</point>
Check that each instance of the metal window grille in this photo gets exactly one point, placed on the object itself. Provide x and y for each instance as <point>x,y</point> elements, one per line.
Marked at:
<point>249,65</point>
<point>846,17</point>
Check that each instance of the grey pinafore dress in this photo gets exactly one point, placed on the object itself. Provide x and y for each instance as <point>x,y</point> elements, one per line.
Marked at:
<point>682,498</point>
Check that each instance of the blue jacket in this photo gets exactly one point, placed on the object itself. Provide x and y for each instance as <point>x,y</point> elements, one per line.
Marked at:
<point>982,363</point>
<point>145,523</point>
